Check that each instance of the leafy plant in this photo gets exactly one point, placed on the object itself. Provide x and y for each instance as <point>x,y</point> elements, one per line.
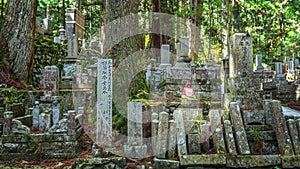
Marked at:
<point>258,140</point>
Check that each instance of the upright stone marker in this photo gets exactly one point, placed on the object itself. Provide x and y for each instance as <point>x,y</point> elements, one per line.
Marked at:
<point>162,137</point>
<point>35,115</point>
<point>165,56</point>
<point>278,68</point>
<point>258,60</point>
<point>240,133</point>
<point>135,147</point>
<point>154,130</point>
<point>55,112</point>
<point>241,61</point>
<point>7,126</point>
<point>229,138</point>
<point>104,100</point>
<point>281,130</point>
<point>50,80</point>
<point>296,63</point>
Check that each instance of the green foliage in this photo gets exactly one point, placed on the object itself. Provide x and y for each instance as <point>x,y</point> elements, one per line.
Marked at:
<point>47,53</point>
<point>258,139</point>
<point>11,94</point>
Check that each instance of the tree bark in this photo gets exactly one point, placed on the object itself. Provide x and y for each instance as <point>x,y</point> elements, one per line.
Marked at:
<point>155,38</point>
<point>17,38</point>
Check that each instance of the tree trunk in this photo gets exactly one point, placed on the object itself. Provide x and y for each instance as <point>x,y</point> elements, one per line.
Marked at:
<point>17,37</point>
<point>195,27</point>
<point>155,38</point>
<point>225,30</point>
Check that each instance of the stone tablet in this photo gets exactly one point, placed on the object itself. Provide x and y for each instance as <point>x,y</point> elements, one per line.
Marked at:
<point>104,100</point>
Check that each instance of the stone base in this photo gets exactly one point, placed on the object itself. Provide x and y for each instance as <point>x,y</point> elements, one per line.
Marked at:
<point>161,163</point>
<point>189,103</point>
<point>137,152</point>
<point>164,66</point>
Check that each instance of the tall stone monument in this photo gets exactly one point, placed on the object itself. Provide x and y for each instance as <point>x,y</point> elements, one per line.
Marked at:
<point>104,101</point>
<point>135,147</point>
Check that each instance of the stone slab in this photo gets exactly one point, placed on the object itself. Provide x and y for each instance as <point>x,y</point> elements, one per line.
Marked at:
<point>211,159</point>
<point>253,161</point>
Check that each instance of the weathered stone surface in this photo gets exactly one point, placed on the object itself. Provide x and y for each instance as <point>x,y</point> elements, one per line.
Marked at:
<point>181,137</point>
<point>259,127</point>
<point>254,117</point>
<point>189,103</point>
<point>172,164</point>
<point>19,128</point>
<point>290,161</point>
<point>219,141</point>
<point>240,134</point>
<point>229,138</point>
<point>135,151</point>
<point>267,109</point>
<point>241,60</point>
<point>294,135</point>
<point>107,163</point>
<point>154,132</point>
<point>162,136</point>
<point>212,159</point>
<point>194,143</point>
<point>253,161</point>
<point>281,130</point>
<point>172,139</point>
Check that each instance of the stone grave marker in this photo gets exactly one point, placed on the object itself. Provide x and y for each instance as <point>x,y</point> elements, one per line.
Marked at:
<point>278,68</point>
<point>55,111</point>
<point>296,62</point>
<point>50,80</point>
<point>165,56</point>
<point>240,133</point>
<point>7,126</point>
<point>135,147</point>
<point>294,135</point>
<point>172,139</point>
<point>154,130</point>
<point>162,137</point>
<point>258,62</point>
<point>104,101</point>
<point>35,115</point>
<point>229,138</point>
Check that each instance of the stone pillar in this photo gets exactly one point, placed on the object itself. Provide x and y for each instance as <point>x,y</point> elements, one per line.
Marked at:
<point>240,133</point>
<point>219,142</point>
<point>7,125</point>
<point>165,56</point>
<point>229,138</point>
<point>278,68</point>
<point>194,143</point>
<point>55,112</point>
<point>35,115</point>
<point>294,135</point>
<point>162,137</point>
<point>281,130</point>
<point>266,108</point>
<point>50,80</point>
<point>172,139</point>
<point>258,62</point>
<point>104,100</point>
<point>42,122</point>
<point>135,147</point>
<point>241,61</point>
<point>154,130</point>
<point>71,122</point>
<point>181,139</point>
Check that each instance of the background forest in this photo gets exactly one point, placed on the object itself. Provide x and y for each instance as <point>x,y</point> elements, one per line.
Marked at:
<point>274,24</point>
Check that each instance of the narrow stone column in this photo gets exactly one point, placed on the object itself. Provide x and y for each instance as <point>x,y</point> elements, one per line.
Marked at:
<point>229,138</point>
<point>154,130</point>
<point>181,137</point>
<point>281,130</point>
<point>240,133</point>
<point>71,122</point>
<point>7,126</point>
<point>35,115</point>
<point>294,135</point>
<point>162,137</point>
<point>172,139</point>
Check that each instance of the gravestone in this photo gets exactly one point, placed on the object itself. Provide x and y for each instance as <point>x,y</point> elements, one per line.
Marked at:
<point>55,111</point>
<point>104,101</point>
<point>181,136</point>
<point>165,56</point>
<point>7,125</point>
<point>50,80</point>
<point>280,128</point>
<point>171,139</point>
<point>290,65</point>
<point>258,62</point>
<point>229,138</point>
<point>135,147</point>
<point>182,50</point>
<point>296,63</point>
<point>278,68</point>
<point>240,60</point>
<point>35,115</point>
<point>294,135</point>
<point>240,133</point>
<point>71,122</point>
<point>154,130</point>
<point>162,137</point>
